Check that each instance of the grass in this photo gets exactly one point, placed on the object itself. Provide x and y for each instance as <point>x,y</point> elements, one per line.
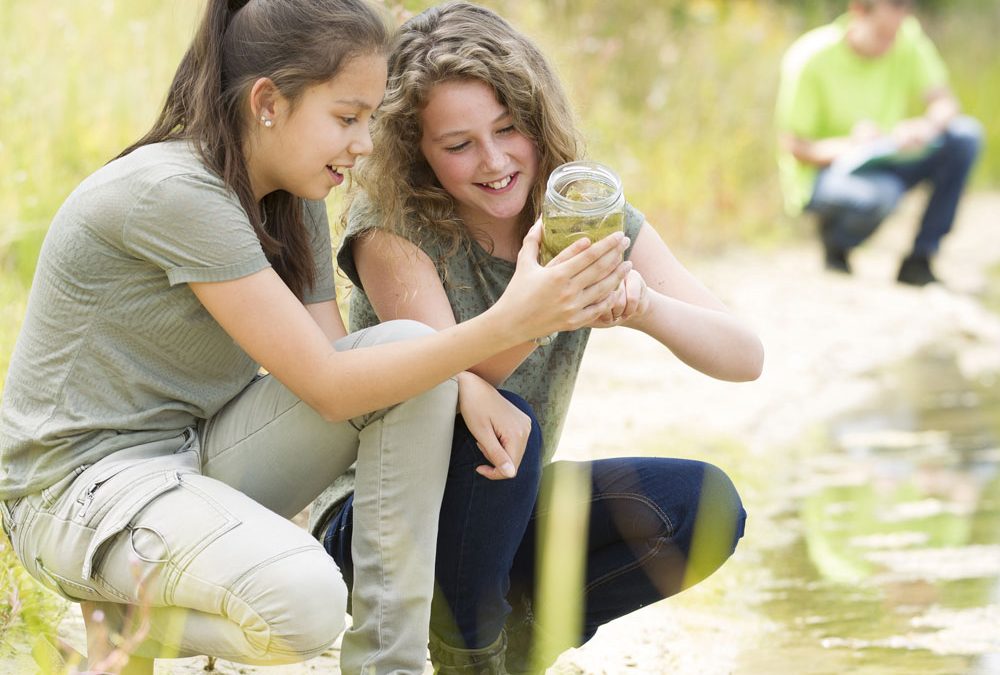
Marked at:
<point>677,95</point>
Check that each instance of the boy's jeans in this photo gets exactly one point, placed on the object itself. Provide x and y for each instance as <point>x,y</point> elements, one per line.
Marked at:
<point>851,206</point>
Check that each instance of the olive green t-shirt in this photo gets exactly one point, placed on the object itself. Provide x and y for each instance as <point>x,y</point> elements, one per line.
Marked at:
<point>473,280</point>
<point>115,349</point>
<point>826,88</point>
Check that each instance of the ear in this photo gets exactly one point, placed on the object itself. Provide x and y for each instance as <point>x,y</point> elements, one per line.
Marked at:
<point>264,101</point>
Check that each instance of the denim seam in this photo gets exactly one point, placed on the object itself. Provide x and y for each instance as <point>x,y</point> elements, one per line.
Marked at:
<point>461,544</point>
<point>359,337</point>
<point>652,553</point>
<point>274,419</point>
<point>381,559</point>
<point>228,593</point>
<point>624,569</point>
<point>671,530</point>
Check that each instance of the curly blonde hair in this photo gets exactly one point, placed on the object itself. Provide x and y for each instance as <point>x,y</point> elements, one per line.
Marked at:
<point>458,41</point>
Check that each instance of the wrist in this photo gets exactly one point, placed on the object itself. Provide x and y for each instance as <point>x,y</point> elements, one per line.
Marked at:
<point>505,333</point>
<point>545,340</point>
<point>935,124</point>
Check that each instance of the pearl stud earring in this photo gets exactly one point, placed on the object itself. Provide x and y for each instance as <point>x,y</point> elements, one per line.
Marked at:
<point>266,122</point>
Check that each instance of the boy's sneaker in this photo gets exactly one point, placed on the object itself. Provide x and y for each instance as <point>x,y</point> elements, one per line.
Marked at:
<point>835,260</point>
<point>915,270</point>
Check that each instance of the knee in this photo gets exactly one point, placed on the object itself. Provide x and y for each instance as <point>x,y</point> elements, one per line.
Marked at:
<point>721,504</point>
<point>964,136</point>
<point>859,210</point>
<point>530,470</point>
<point>873,204</point>
<point>383,333</point>
<point>398,330</point>
<point>718,526</point>
<point>291,608</point>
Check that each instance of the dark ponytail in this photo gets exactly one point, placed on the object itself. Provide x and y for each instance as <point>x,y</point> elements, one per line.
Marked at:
<point>296,44</point>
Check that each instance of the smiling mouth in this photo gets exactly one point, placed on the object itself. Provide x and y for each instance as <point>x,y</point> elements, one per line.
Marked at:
<point>499,184</point>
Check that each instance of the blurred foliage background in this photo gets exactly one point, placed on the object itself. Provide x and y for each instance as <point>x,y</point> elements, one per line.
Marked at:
<point>676,94</point>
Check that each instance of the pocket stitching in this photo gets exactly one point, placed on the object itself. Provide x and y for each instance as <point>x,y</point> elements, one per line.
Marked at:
<point>180,563</point>
<point>60,582</point>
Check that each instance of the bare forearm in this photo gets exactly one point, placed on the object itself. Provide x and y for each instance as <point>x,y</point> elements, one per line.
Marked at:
<point>384,375</point>
<point>941,111</point>
<point>821,152</point>
<point>497,369</point>
<point>711,341</point>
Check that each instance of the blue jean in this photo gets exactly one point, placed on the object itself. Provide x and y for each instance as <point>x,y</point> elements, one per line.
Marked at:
<point>851,206</point>
<point>643,516</point>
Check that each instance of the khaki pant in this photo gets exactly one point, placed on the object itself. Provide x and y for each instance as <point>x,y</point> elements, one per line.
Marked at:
<point>196,528</point>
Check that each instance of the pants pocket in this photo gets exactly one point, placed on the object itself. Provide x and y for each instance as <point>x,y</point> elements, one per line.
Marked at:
<point>64,586</point>
<point>63,552</point>
<point>7,517</point>
<point>143,549</point>
<point>121,513</point>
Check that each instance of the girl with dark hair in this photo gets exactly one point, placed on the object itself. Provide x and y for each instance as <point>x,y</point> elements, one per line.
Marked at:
<point>147,460</point>
<point>473,123</point>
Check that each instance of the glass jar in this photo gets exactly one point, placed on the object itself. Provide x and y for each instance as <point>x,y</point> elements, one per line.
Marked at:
<point>581,199</point>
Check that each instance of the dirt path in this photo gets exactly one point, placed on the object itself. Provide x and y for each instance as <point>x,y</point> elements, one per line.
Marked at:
<point>822,334</point>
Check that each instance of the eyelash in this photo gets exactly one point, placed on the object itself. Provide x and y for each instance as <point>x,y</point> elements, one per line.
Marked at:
<point>461,146</point>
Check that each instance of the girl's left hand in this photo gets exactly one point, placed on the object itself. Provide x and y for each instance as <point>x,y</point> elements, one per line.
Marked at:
<point>632,301</point>
<point>500,428</point>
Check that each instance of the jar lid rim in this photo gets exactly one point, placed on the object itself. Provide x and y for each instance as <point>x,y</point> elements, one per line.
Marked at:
<point>564,174</point>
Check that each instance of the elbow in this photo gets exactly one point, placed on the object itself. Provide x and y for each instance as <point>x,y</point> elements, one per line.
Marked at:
<point>331,411</point>
<point>332,416</point>
<point>755,362</point>
<point>751,365</point>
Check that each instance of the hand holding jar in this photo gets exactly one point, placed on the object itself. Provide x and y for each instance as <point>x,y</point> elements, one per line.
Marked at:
<point>582,199</point>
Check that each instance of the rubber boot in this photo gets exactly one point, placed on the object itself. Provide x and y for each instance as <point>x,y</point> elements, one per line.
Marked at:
<point>448,660</point>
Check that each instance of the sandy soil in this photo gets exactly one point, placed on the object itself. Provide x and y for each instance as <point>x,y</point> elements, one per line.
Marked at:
<point>822,333</point>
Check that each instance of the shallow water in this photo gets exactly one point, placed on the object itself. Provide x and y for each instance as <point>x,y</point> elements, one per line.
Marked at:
<point>885,556</point>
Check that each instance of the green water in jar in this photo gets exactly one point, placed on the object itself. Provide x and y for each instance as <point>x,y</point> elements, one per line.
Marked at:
<point>561,228</point>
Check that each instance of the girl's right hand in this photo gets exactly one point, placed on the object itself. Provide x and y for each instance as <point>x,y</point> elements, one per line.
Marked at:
<point>573,290</point>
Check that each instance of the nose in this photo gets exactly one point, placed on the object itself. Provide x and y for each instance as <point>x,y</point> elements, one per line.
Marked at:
<point>493,158</point>
<point>361,144</point>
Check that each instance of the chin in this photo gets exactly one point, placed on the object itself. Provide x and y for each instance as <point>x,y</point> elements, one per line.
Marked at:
<point>314,194</point>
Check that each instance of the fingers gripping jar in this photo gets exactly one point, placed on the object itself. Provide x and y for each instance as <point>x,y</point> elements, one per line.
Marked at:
<point>581,199</point>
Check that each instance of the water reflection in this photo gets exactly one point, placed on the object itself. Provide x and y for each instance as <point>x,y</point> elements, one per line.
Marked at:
<point>896,566</point>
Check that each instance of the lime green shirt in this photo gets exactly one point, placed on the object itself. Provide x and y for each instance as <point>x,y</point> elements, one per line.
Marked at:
<point>826,88</point>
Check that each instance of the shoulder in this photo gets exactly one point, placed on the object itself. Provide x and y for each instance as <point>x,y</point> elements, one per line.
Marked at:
<point>162,161</point>
<point>634,219</point>
<point>912,40</point>
<point>392,244</point>
<point>911,30</point>
<point>166,177</point>
<point>162,183</point>
<point>812,47</point>
<point>364,217</point>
